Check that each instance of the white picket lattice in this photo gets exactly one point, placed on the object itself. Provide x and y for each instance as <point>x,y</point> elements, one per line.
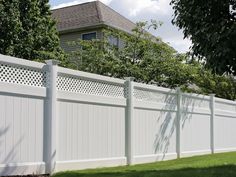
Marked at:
<point>188,101</point>
<point>22,75</point>
<point>86,86</point>
<point>147,95</point>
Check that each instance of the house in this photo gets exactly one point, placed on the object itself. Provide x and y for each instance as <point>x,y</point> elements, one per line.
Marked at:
<point>86,21</point>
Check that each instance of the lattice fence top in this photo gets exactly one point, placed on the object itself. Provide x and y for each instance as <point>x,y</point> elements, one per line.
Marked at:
<point>22,75</point>
<point>86,86</point>
<point>188,101</point>
<point>154,96</point>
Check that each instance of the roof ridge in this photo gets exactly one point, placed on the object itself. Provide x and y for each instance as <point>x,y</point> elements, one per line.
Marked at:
<point>99,2</point>
<point>99,11</point>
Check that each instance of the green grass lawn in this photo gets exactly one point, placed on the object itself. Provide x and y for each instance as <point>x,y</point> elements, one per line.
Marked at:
<point>217,165</point>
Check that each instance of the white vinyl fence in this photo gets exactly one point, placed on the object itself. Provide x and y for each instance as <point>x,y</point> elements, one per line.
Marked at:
<point>54,119</point>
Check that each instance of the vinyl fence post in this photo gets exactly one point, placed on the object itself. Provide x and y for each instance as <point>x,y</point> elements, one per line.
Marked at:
<point>212,107</point>
<point>178,122</point>
<point>130,121</point>
<point>51,132</point>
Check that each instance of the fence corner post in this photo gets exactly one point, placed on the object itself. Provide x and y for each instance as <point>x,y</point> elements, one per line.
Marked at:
<point>130,120</point>
<point>212,107</point>
<point>51,115</point>
<point>178,122</point>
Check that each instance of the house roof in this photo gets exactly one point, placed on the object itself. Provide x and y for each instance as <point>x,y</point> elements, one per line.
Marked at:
<point>90,14</point>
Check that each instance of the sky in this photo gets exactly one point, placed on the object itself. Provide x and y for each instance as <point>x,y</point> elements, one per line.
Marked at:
<point>143,10</point>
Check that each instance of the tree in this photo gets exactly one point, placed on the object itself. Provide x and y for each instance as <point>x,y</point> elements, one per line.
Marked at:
<point>27,30</point>
<point>150,61</point>
<point>142,56</point>
<point>222,85</point>
<point>211,25</point>
<point>124,60</point>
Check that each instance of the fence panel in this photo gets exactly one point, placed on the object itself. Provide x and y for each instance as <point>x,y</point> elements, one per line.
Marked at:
<point>91,121</point>
<point>22,107</point>
<point>195,125</point>
<point>154,124</point>
<point>225,121</point>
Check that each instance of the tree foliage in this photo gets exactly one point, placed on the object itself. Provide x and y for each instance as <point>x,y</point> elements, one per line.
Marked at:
<point>211,25</point>
<point>149,60</point>
<point>142,56</point>
<point>223,86</point>
<point>27,30</point>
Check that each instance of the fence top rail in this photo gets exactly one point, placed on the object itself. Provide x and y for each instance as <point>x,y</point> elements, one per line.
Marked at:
<point>229,102</point>
<point>153,88</point>
<point>90,76</point>
<point>41,66</point>
<point>196,96</point>
<point>20,62</point>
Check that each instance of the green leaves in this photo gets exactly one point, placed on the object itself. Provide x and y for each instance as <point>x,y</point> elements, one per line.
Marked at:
<point>149,62</point>
<point>27,31</point>
<point>211,25</point>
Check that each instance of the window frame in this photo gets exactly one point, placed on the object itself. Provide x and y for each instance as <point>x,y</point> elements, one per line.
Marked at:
<point>89,33</point>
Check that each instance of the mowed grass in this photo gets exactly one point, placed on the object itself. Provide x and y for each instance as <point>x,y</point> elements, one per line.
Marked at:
<point>217,165</point>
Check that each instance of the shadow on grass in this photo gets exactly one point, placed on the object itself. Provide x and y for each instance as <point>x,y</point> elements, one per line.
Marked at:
<point>217,171</point>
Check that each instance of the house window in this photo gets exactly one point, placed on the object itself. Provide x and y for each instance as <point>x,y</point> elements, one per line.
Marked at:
<point>113,40</point>
<point>89,36</point>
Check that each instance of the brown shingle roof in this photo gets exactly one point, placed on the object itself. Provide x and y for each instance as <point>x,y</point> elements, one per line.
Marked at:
<point>88,15</point>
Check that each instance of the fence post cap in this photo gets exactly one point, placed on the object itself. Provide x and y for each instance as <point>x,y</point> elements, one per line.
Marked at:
<point>52,62</point>
<point>129,78</point>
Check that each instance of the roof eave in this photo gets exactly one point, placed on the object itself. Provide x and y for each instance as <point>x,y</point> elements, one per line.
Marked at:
<point>84,28</point>
<point>100,25</point>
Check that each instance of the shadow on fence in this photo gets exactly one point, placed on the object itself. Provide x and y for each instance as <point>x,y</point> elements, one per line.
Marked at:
<point>168,126</point>
<point>11,159</point>
<point>11,154</point>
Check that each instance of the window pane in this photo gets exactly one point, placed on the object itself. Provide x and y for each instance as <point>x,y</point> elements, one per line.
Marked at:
<point>113,40</point>
<point>89,36</point>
